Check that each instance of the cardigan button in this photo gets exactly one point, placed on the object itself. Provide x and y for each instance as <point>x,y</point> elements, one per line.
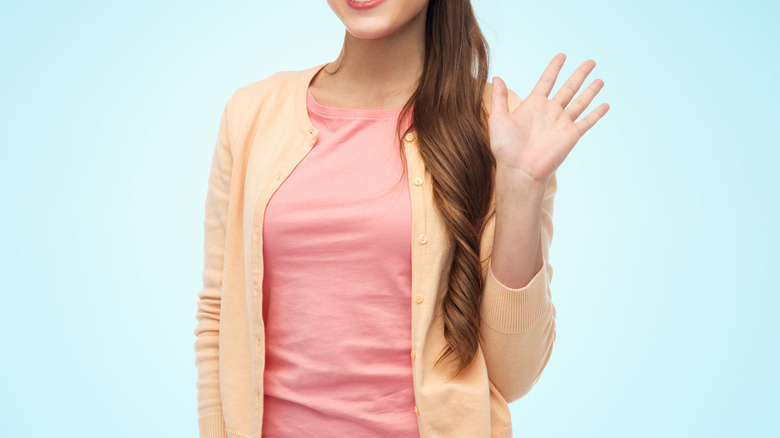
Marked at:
<point>258,345</point>
<point>409,137</point>
<point>422,238</point>
<point>414,354</point>
<point>419,298</point>
<point>416,411</point>
<point>418,181</point>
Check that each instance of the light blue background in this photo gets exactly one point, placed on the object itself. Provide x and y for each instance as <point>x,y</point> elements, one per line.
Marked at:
<point>666,216</point>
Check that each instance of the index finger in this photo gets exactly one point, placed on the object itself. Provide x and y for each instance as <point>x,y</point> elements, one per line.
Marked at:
<point>547,81</point>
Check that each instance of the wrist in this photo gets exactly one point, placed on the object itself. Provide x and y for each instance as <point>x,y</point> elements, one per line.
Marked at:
<point>515,179</point>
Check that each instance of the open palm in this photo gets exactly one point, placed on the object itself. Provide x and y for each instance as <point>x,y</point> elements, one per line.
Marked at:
<point>538,135</point>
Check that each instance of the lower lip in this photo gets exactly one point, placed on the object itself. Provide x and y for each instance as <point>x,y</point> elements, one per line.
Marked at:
<point>364,5</point>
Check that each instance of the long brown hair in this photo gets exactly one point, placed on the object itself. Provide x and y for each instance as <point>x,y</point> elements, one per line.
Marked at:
<point>450,120</point>
<point>450,123</point>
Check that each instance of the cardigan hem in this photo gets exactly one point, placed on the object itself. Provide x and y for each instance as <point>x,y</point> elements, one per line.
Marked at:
<point>213,426</point>
<point>505,433</point>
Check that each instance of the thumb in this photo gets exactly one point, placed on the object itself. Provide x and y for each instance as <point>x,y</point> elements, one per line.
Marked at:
<point>499,100</point>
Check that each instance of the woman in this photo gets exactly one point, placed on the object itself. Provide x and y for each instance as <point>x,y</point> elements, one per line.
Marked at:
<point>352,286</point>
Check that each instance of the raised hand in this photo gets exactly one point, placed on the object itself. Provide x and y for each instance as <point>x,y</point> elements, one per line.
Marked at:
<point>539,134</point>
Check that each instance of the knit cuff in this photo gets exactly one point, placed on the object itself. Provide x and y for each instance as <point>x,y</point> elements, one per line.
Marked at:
<point>212,426</point>
<point>514,311</point>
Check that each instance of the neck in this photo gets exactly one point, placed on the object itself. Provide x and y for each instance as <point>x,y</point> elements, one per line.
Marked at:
<point>381,70</point>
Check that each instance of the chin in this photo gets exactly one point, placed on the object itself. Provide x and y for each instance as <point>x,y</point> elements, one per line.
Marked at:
<point>368,31</point>
<point>380,21</point>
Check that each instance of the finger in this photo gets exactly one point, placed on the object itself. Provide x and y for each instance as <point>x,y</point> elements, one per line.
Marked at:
<point>583,100</point>
<point>570,87</point>
<point>591,119</point>
<point>546,82</point>
<point>499,98</point>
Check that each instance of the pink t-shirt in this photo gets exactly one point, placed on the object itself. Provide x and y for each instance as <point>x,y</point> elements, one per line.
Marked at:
<point>337,285</point>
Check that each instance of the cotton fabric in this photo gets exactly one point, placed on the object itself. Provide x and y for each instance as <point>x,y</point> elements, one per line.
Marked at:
<point>337,285</point>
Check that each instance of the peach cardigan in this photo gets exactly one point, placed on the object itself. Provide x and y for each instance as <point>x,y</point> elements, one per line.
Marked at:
<point>264,132</point>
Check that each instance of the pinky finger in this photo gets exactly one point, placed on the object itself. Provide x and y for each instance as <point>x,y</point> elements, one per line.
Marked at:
<point>588,121</point>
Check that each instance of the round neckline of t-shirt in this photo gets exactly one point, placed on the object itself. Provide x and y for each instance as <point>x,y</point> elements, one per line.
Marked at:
<point>352,113</point>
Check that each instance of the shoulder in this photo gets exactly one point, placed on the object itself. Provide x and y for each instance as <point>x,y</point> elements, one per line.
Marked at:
<point>263,103</point>
<point>268,101</point>
<point>274,88</point>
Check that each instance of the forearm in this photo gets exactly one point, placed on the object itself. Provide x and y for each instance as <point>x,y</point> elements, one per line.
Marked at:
<point>517,247</point>
<point>518,316</point>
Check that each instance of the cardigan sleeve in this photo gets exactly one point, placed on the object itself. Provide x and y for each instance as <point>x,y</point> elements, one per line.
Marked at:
<point>209,403</point>
<point>518,325</point>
